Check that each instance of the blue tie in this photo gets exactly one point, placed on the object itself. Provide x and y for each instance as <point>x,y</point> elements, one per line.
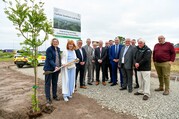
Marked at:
<point>116,50</point>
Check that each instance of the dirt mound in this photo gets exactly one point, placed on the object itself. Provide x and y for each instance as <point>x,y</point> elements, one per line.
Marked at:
<point>15,100</point>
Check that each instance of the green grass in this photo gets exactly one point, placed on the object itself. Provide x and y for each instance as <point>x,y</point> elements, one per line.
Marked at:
<point>6,59</point>
<point>174,67</point>
<point>177,55</point>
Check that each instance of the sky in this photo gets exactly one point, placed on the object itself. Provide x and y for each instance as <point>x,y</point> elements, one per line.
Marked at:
<point>106,19</point>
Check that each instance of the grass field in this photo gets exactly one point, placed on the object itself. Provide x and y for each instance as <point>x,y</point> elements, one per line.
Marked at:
<point>174,67</point>
<point>6,59</point>
<point>177,55</point>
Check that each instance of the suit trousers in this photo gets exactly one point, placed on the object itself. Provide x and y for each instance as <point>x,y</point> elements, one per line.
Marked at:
<point>88,68</point>
<point>93,69</point>
<point>144,82</point>
<point>127,78</point>
<point>114,67</point>
<point>98,71</point>
<point>81,70</point>
<point>163,71</point>
<point>48,79</point>
<point>108,66</point>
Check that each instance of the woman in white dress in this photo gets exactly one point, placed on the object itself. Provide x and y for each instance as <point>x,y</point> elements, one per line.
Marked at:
<point>68,72</point>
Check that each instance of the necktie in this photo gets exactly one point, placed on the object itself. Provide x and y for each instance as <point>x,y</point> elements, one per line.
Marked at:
<point>100,51</point>
<point>116,50</point>
<point>57,59</point>
<point>81,54</point>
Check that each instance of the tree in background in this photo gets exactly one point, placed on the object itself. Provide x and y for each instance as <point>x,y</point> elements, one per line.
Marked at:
<point>122,39</point>
<point>29,19</point>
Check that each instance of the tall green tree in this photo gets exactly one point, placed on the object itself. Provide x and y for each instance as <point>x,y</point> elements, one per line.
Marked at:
<point>29,19</point>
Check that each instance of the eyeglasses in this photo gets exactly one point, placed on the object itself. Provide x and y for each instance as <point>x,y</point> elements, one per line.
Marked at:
<point>160,38</point>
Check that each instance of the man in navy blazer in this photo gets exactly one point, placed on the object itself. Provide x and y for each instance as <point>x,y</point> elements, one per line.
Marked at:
<point>80,67</point>
<point>114,58</point>
<point>52,62</point>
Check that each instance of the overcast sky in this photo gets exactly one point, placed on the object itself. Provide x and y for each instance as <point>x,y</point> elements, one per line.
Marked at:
<point>106,19</point>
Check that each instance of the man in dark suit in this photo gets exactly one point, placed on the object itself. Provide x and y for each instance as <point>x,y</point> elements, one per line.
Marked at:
<point>133,42</point>
<point>126,64</point>
<point>111,42</point>
<point>107,45</point>
<point>80,67</point>
<point>114,58</point>
<point>100,60</point>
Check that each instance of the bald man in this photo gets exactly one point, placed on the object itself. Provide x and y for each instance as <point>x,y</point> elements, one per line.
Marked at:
<point>163,56</point>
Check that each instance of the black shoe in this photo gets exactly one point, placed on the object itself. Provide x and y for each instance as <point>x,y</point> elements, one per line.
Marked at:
<point>145,97</point>
<point>110,82</point>
<point>48,101</point>
<point>56,98</point>
<point>123,88</point>
<point>137,93</point>
<point>130,91</point>
<point>113,84</point>
<point>136,87</point>
<point>90,84</point>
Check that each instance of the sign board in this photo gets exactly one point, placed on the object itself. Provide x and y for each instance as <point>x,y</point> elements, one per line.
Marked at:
<point>66,24</point>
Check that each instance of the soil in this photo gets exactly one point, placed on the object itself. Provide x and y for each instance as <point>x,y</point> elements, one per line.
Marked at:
<point>15,100</point>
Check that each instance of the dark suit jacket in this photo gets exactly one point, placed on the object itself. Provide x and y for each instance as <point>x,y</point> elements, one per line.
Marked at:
<point>128,57</point>
<point>51,58</point>
<point>78,55</point>
<point>107,57</point>
<point>102,56</point>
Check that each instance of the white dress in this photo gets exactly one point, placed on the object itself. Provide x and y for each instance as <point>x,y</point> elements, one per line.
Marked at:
<point>68,75</point>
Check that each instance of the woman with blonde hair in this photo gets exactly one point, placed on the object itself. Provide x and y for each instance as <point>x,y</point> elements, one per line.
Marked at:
<point>68,71</point>
<point>52,62</point>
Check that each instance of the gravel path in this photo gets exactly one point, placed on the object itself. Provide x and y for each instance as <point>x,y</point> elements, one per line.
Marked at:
<point>157,107</point>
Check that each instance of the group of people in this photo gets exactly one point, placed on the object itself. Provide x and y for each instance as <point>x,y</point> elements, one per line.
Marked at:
<point>127,59</point>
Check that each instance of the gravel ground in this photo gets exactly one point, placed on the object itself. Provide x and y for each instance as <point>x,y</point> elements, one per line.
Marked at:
<point>157,107</point>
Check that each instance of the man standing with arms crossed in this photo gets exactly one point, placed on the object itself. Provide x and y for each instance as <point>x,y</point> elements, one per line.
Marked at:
<point>163,56</point>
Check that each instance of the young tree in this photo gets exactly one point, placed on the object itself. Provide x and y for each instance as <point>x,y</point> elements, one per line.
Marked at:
<point>29,19</point>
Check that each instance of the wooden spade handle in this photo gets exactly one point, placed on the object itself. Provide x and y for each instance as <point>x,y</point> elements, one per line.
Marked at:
<point>67,64</point>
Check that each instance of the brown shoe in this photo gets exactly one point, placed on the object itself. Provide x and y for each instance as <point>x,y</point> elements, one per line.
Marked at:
<point>84,87</point>
<point>104,83</point>
<point>97,83</point>
<point>159,89</point>
<point>166,92</point>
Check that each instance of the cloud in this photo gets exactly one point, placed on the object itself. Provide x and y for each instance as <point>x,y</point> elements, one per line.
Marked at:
<point>104,19</point>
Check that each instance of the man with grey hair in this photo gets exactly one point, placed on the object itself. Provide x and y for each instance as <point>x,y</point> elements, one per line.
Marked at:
<point>100,60</point>
<point>142,60</point>
<point>126,65</point>
<point>88,65</point>
<point>163,56</point>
